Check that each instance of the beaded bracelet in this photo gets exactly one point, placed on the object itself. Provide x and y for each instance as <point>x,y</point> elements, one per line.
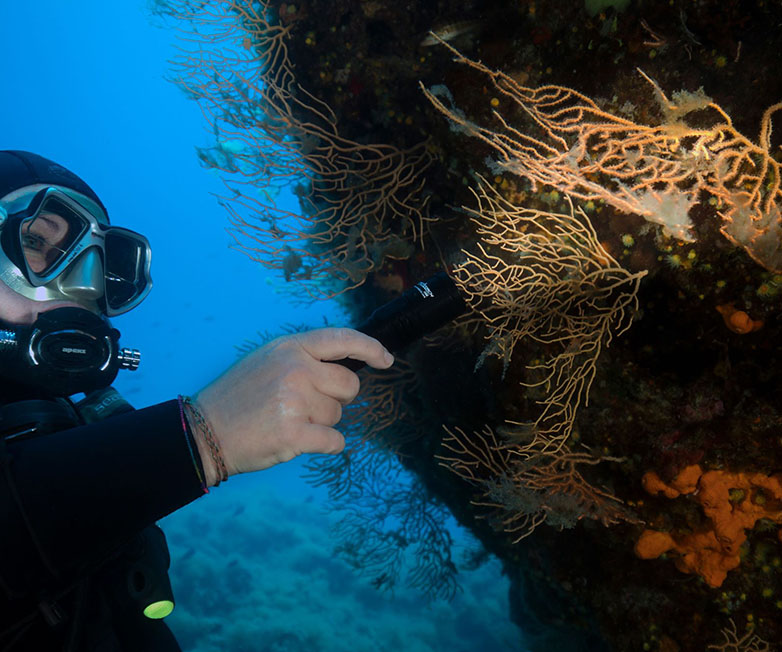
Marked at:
<point>214,446</point>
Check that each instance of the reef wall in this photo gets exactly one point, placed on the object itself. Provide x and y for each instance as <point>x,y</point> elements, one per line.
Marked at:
<point>603,182</point>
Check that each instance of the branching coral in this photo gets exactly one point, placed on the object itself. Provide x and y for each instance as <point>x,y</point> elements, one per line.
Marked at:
<point>658,172</point>
<point>389,529</point>
<point>732,642</point>
<point>544,277</point>
<point>362,203</point>
<point>387,526</point>
<point>733,503</point>
<point>375,425</point>
<point>524,488</point>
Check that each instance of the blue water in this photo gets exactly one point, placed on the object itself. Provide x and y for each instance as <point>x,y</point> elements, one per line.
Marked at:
<point>253,569</point>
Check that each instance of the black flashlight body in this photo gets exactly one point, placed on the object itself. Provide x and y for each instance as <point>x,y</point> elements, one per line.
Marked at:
<point>419,310</point>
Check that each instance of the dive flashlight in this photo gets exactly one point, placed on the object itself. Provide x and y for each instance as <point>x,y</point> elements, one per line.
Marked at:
<point>419,310</point>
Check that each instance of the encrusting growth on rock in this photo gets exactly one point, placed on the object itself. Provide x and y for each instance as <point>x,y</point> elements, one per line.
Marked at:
<point>733,502</point>
<point>737,320</point>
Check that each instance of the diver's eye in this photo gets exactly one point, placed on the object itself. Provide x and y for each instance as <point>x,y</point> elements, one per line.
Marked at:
<point>33,241</point>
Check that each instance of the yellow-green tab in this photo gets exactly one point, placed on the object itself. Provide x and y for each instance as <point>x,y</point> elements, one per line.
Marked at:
<point>158,610</point>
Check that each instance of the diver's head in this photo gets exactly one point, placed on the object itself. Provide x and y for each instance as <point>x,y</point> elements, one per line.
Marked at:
<point>64,270</point>
<point>56,244</point>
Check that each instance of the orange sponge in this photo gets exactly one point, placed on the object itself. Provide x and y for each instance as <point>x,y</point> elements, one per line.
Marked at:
<point>684,483</point>
<point>737,320</point>
<point>733,502</point>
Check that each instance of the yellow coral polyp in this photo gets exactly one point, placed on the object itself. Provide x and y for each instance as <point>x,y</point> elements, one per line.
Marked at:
<point>674,261</point>
<point>727,499</point>
<point>767,290</point>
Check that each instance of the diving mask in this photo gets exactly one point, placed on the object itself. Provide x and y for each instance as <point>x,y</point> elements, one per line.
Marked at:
<point>60,249</point>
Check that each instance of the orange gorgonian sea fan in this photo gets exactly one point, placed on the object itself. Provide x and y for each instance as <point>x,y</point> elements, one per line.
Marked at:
<point>659,172</point>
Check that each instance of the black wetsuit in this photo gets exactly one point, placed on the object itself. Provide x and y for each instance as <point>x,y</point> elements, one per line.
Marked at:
<point>70,502</point>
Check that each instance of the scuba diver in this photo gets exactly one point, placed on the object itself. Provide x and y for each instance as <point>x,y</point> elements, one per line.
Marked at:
<point>82,564</point>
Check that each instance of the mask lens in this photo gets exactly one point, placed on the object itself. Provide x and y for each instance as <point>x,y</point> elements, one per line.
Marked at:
<point>126,263</point>
<point>48,236</point>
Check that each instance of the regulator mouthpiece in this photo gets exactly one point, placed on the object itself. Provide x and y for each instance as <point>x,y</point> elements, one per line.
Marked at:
<point>66,350</point>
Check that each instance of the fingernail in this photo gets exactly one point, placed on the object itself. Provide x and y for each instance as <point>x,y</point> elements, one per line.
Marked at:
<point>388,357</point>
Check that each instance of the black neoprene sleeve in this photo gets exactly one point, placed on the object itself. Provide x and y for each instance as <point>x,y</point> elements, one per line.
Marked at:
<point>88,489</point>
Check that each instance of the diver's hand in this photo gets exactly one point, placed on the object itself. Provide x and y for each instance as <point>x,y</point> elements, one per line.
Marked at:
<point>282,400</point>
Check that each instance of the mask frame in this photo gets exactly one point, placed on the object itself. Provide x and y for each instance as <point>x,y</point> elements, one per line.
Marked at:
<point>115,245</point>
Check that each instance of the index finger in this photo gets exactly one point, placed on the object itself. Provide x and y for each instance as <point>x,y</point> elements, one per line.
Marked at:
<point>332,344</point>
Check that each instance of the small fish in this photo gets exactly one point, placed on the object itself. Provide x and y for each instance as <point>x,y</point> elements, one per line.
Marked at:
<point>450,32</point>
<point>291,264</point>
<point>383,582</point>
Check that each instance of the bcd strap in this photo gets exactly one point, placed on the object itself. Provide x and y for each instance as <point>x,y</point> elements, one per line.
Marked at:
<point>102,404</point>
<point>36,417</point>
